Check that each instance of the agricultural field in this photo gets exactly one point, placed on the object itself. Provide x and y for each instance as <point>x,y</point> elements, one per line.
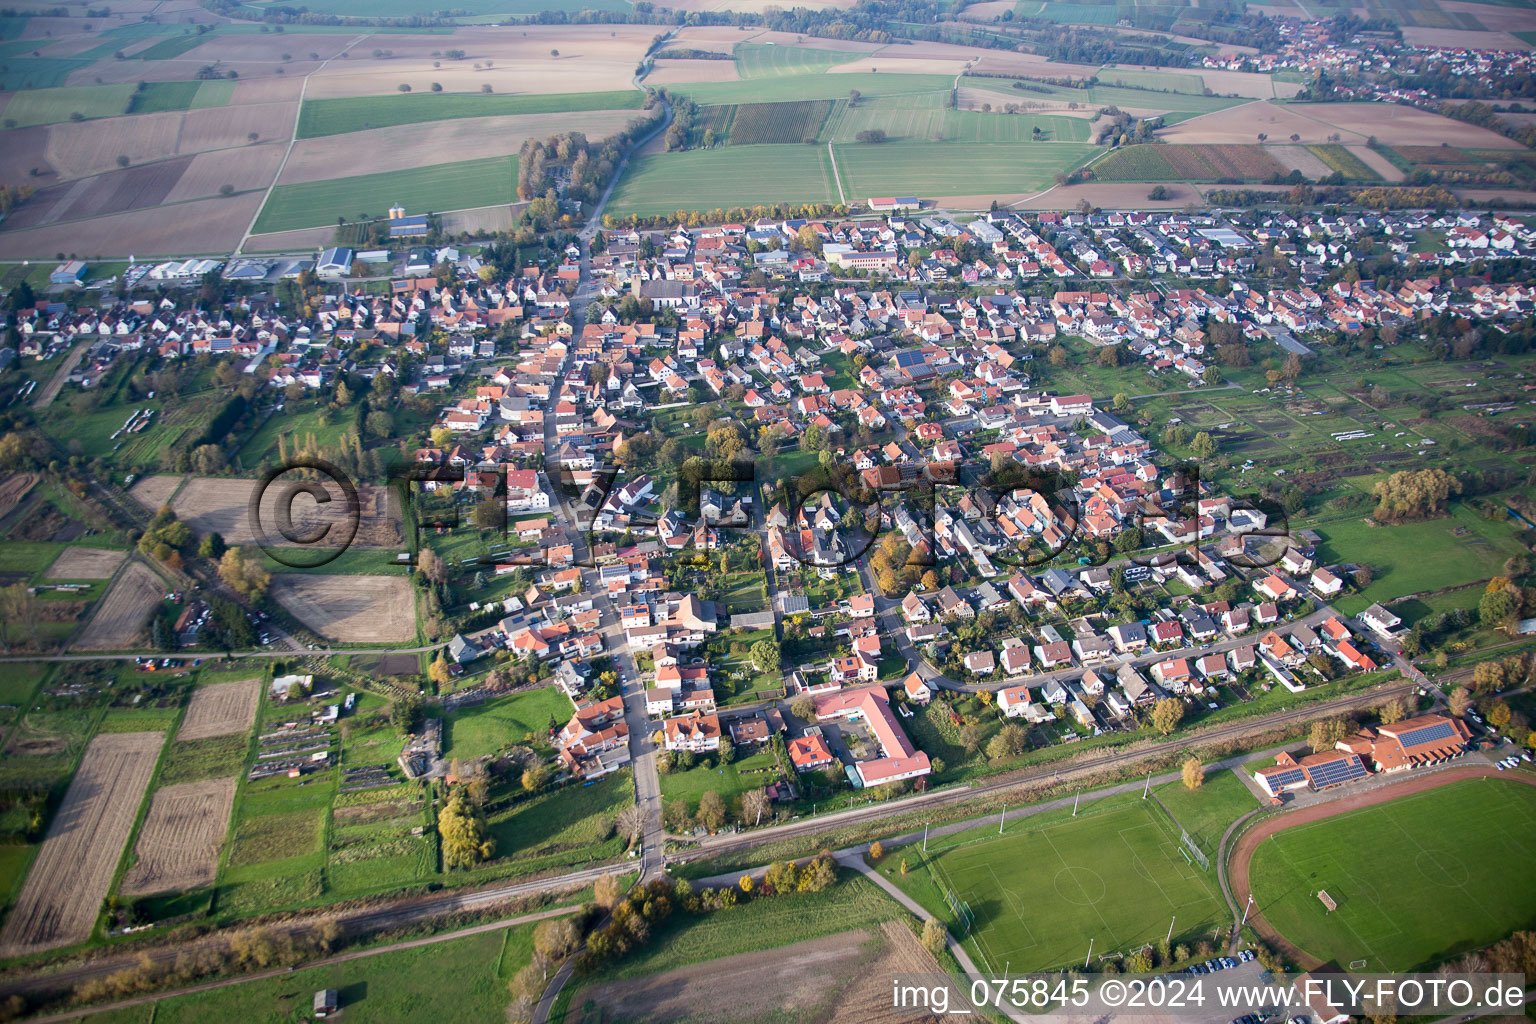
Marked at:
<point>1188,163</point>
<point>758,60</point>
<point>926,117</point>
<point>761,123</point>
<point>199,760</point>
<point>1115,875</point>
<point>62,895</point>
<point>1416,879</point>
<point>497,724</point>
<point>449,186</point>
<point>220,709</point>
<point>50,106</point>
<point>954,169</point>
<point>724,178</point>
<point>809,87</point>
<point>350,609</point>
<point>178,846</point>
<point>222,505</point>
<point>118,621</point>
<point>81,563</point>
<point>359,113</point>
<point>371,845</point>
<point>1341,160</point>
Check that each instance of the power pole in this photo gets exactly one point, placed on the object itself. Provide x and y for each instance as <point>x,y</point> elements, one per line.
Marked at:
<point>1148,790</point>
<point>1170,928</point>
<point>1089,957</point>
<point>1000,818</point>
<point>925,837</point>
<point>1246,908</point>
<point>1075,797</point>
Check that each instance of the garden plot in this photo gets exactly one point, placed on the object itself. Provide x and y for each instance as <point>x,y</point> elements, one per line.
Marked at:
<point>77,563</point>
<point>179,846</point>
<point>120,618</point>
<point>221,709</point>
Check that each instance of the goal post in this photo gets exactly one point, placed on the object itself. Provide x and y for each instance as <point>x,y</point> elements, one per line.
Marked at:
<point>1327,901</point>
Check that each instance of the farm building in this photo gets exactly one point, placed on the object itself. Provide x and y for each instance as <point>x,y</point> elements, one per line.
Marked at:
<point>335,262</point>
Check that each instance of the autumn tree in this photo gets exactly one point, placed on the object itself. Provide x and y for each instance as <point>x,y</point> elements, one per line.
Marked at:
<point>933,936</point>
<point>438,671</point>
<point>241,569</point>
<point>1460,701</point>
<point>431,566</point>
<point>462,829</point>
<point>711,810</point>
<point>535,778</point>
<point>1166,714</point>
<point>1410,494</point>
<point>1194,775</point>
<point>1499,604</point>
<point>1326,733</point>
<point>630,822</point>
<point>1011,739</point>
<point>754,805</point>
<point>405,714</point>
<point>606,891</point>
<point>876,850</point>
<point>1394,710</point>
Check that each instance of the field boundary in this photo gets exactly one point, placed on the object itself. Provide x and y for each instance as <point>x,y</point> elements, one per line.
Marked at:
<point>1241,858</point>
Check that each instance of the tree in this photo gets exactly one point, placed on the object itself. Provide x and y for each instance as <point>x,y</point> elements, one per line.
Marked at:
<point>1499,603</point>
<point>930,580</point>
<point>212,546</point>
<point>1194,775</point>
<point>711,810</point>
<point>490,514</point>
<point>463,832</point>
<point>804,708</point>
<point>876,850</point>
<point>606,891</point>
<point>535,778</point>
<point>431,566</point>
<point>1121,402</point>
<point>1166,714</point>
<point>379,423</point>
<point>1203,446</point>
<point>438,671</point>
<point>1460,701</point>
<point>1414,493</point>
<point>1158,193</point>
<point>556,938</point>
<point>1326,733</point>
<point>630,822</point>
<point>1211,375</point>
<point>241,569</point>
<point>1058,356</point>
<point>1499,714</point>
<point>873,136</point>
<point>1394,710</point>
<point>745,884</point>
<point>405,714</point>
<point>1010,740</point>
<point>754,805</point>
<point>765,655</point>
<point>934,935</point>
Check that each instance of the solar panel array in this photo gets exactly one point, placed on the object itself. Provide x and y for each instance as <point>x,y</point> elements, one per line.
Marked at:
<point>1334,773</point>
<point>1426,734</point>
<point>1289,777</point>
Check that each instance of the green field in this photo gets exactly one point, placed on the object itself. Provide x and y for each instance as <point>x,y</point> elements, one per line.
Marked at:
<point>1162,81</point>
<point>22,72</point>
<point>452,186</point>
<point>1410,558</point>
<point>953,168</point>
<point>391,986</point>
<point>1114,875</point>
<point>473,9</point>
<point>1416,880</point>
<point>1345,162</point>
<point>759,60</point>
<point>356,113</point>
<point>923,117</point>
<point>723,178</point>
<point>730,780</point>
<point>1206,812</point>
<point>809,87</point>
<point>568,825</point>
<point>497,724</point>
<point>50,106</point>
<point>1136,163</point>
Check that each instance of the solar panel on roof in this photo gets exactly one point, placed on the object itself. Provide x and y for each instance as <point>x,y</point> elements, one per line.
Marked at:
<point>1289,777</point>
<point>1333,773</point>
<point>1427,734</point>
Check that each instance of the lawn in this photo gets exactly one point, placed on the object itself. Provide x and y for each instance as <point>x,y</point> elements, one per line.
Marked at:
<point>356,113</point>
<point>1115,876</point>
<point>322,425</point>
<point>1416,881</point>
<point>49,106</point>
<point>569,825</point>
<point>391,986</point>
<point>19,680</point>
<point>1410,558</point>
<point>723,178</point>
<point>497,724</point>
<point>730,780</point>
<point>954,168</point>
<point>1206,812</point>
<point>451,186</point>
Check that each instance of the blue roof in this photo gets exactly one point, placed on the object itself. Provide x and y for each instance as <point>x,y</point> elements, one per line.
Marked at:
<point>419,218</point>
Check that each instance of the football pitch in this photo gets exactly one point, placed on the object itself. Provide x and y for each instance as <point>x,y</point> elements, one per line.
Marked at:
<point>1416,880</point>
<point>1115,875</point>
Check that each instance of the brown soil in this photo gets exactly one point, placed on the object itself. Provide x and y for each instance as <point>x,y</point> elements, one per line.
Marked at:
<point>209,504</point>
<point>212,226</point>
<point>154,491</point>
<point>1241,857</point>
<point>120,618</point>
<point>178,847</point>
<point>73,871</point>
<point>350,609</point>
<point>99,196</point>
<point>220,709</point>
<point>843,978</point>
<point>14,487</point>
<point>85,564</point>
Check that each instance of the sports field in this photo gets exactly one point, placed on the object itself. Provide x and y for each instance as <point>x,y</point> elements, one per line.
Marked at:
<point>455,186</point>
<point>1416,880</point>
<point>954,168</point>
<point>723,178</point>
<point>1114,875</point>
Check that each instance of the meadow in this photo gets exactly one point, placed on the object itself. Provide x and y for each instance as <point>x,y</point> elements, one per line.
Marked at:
<point>50,106</point>
<point>724,177</point>
<point>1115,876</point>
<point>500,723</point>
<point>469,9</point>
<point>1206,812</point>
<point>729,780</point>
<point>450,186</point>
<point>809,87</point>
<point>927,116</point>
<point>1416,880</point>
<point>759,60</point>
<point>566,826</point>
<point>356,113</point>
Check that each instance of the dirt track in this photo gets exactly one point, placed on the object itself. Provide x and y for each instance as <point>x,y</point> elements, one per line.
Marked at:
<point>1242,854</point>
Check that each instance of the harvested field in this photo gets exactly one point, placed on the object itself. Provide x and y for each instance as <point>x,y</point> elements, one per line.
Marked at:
<point>62,896</point>
<point>289,241</point>
<point>220,709</point>
<point>102,195</point>
<point>1458,38</point>
<point>1392,124</point>
<point>1300,158</point>
<point>178,847</point>
<point>23,150</point>
<point>1107,195</point>
<point>482,220</point>
<point>77,150</point>
<point>907,66</point>
<point>350,609</point>
<point>120,616</point>
<point>267,90</point>
<point>987,10</point>
<point>211,504</point>
<point>226,127</point>
<point>1241,124</point>
<point>529,75</point>
<point>14,487</point>
<point>666,72</point>
<point>400,148</point>
<point>212,226</point>
<point>839,977</point>
<point>154,491</point>
<point>77,563</point>
<point>245,168</point>
<point>1494,17</point>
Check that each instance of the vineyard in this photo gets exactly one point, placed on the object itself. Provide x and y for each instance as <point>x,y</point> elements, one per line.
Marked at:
<point>1344,162</point>
<point>757,123</point>
<point>1181,163</point>
<point>1136,163</point>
